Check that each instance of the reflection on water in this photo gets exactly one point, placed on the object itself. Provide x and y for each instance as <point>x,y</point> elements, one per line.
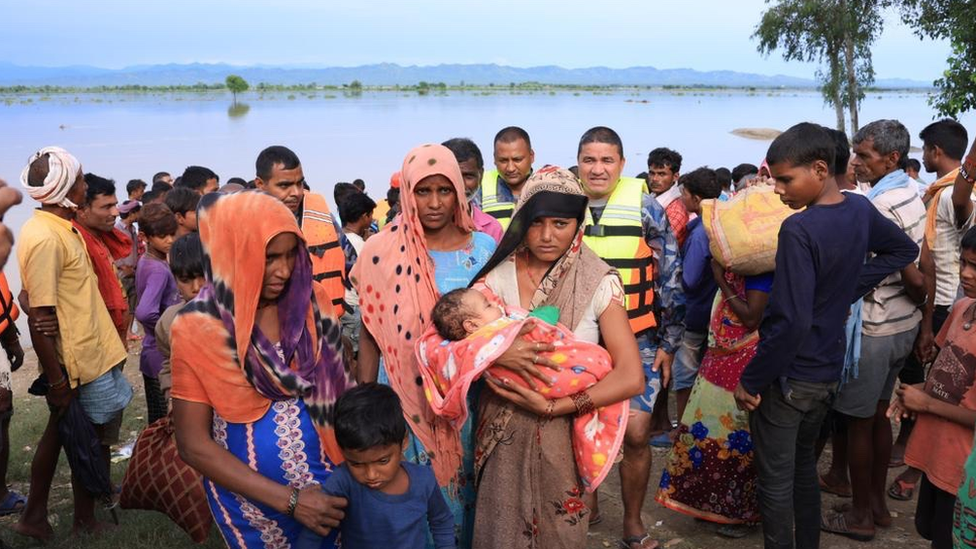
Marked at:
<point>342,137</point>
<point>237,110</point>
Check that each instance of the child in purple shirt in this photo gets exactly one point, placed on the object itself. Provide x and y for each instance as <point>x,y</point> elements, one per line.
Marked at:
<point>156,291</point>
<point>392,503</point>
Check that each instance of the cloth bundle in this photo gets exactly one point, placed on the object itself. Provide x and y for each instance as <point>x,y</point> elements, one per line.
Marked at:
<point>743,232</point>
<point>449,368</point>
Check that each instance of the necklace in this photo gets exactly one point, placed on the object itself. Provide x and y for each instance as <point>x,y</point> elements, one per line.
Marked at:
<point>972,318</point>
<point>535,280</point>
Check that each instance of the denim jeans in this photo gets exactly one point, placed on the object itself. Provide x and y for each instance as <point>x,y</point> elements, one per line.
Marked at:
<point>784,431</point>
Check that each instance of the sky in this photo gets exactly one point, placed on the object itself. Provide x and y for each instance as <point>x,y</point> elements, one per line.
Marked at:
<point>702,34</point>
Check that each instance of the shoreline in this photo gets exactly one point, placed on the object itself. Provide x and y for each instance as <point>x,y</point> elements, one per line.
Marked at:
<point>637,95</point>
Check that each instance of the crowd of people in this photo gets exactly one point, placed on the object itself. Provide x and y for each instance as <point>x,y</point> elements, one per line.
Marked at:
<point>461,363</point>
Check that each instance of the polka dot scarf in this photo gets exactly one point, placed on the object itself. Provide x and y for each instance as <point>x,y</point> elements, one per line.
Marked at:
<point>397,290</point>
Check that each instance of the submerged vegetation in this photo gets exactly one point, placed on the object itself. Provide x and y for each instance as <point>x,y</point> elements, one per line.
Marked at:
<point>26,95</point>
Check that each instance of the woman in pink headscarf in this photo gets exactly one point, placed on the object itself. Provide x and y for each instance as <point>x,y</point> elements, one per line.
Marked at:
<point>431,248</point>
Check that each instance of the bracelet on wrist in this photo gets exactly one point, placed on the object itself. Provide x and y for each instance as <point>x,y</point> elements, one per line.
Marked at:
<point>292,502</point>
<point>60,383</point>
<point>968,170</point>
<point>584,405</point>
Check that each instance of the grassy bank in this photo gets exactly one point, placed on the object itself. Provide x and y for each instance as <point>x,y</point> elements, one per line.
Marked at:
<point>137,529</point>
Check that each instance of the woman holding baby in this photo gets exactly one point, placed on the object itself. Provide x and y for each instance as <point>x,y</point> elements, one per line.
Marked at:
<point>528,483</point>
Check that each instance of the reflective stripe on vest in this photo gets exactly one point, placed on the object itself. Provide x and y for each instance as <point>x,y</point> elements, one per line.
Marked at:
<point>491,202</point>
<point>328,259</point>
<point>619,240</point>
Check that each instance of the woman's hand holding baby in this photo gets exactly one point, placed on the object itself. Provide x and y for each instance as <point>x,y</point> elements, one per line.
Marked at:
<point>525,358</point>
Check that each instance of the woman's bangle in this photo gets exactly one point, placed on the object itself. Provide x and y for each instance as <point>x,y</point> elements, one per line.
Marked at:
<point>292,502</point>
<point>583,403</point>
<point>731,297</point>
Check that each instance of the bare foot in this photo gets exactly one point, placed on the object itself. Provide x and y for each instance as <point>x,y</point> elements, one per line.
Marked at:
<point>41,532</point>
<point>95,528</point>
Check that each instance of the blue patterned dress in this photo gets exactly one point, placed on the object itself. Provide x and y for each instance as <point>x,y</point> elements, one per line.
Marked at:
<point>284,447</point>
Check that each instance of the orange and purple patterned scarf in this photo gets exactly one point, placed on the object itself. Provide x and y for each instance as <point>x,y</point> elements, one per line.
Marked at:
<point>235,230</point>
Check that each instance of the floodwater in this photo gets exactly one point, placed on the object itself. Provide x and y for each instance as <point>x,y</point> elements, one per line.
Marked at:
<point>340,138</point>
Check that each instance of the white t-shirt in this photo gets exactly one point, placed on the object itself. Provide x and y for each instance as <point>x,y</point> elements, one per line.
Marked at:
<point>945,250</point>
<point>352,298</point>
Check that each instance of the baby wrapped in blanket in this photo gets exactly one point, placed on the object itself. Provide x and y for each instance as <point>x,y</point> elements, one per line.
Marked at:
<point>469,333</point>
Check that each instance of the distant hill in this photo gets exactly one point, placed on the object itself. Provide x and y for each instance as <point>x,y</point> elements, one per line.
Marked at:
<point>392,74</point>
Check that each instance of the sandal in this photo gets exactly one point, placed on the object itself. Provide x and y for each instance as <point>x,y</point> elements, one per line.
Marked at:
<point>661,441</point>
<point>11,505</point>
<point>836,523</point>
<point>824,487</point>
<point>629,541</point>
<point>845,507</point>
<point>734,531</point>
<point>901,490</point>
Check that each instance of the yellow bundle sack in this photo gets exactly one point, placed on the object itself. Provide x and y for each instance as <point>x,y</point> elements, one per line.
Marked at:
<point>743,232</point>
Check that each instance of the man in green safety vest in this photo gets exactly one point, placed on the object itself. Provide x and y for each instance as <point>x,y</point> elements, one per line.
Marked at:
<point>500,188</point>
<point>629,229</point>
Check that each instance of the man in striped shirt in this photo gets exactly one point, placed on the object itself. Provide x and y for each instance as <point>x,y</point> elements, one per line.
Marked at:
<point>890,318</point>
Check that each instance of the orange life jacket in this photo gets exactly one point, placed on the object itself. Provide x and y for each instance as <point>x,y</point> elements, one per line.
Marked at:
<point>328,259</point>
<point>8,307</point>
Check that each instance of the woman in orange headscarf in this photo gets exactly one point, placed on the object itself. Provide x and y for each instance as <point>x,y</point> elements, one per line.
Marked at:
<point>430,249</point>
<point>257,368</point>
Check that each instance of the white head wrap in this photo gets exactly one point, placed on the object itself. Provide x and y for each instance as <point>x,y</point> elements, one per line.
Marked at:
<point>63,169</point>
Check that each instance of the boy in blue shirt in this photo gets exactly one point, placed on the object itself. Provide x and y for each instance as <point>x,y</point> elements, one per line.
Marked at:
<point>820,271</point>
<point>391,502</point>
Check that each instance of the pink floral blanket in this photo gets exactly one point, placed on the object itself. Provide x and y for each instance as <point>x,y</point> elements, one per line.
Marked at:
<point>449,368</point>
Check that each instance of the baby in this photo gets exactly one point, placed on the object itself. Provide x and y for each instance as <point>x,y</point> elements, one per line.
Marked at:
<point>470,332</point>
<point>462,312</point>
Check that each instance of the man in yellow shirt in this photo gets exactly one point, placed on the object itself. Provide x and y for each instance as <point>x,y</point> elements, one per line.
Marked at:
<point>85,352</point>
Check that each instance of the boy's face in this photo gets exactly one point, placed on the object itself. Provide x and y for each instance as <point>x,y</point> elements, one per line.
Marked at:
<point>188,221</point>
<point>161,244</point>
<point>967,272</point>
<point>189,287</point>
<point>799,186</point>
<point>482,311</point>
<point>691,202</point>
<point>374,467</point>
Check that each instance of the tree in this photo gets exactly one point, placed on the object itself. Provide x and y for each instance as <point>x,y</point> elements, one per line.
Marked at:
<point>952,20</point>
<point>837,34</point>
<point>236,85</point>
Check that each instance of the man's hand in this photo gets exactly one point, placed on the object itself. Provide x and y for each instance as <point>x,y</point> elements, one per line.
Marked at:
<point>662,363</point>
<point>9,197</point>
<point>45,321</point>
<point>925,349</point>
<point>60,397</point>
<point>744,400</point>
<point>15,354</point>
